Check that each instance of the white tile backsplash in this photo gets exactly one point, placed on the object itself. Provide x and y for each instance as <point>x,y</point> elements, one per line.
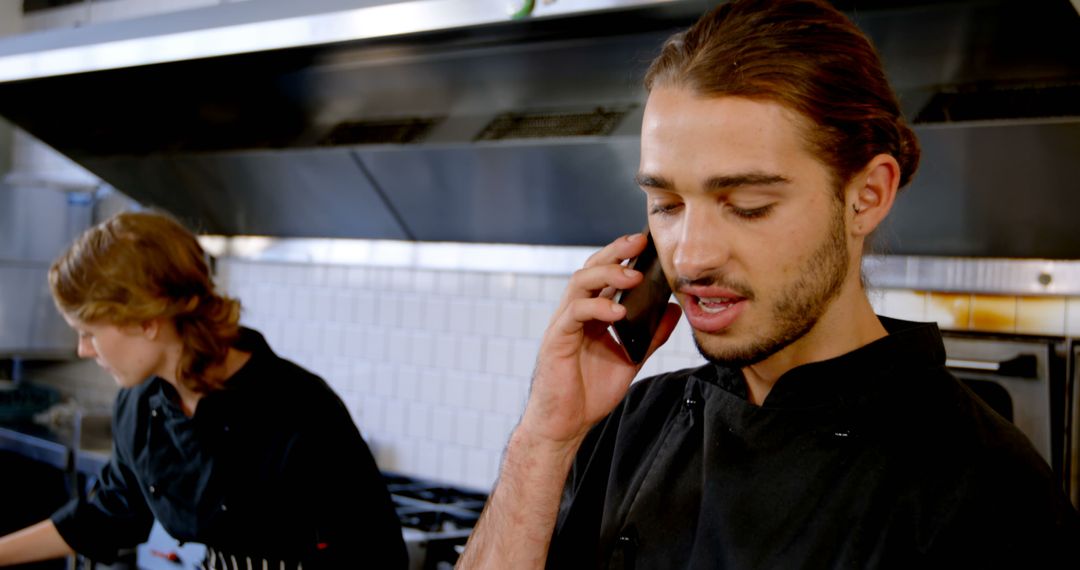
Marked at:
<point>434,365</point>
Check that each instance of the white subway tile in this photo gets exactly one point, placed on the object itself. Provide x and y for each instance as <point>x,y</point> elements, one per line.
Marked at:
<point>412,311</point>
<point>429,458</point>
<point>303,304</point>
<point>468,428</point>
<point>906,305</point>
<point>291,341</point>
<point>406,455</point>
<point>399,347</point>
<point>430,386</point>
<point>537,318</point>
<point>480,469</point>
<point>294,274</point>
<point>448,283</point>
<point>401,279</point>
<point>378,279</point>
<point>511,319</point>
<point>313,274</point>
<point>394,418</point>
<point>502,285</point>
<point>388,310</point>
<point>386,380</point>
<point>423,348</point>
<point>481,394</point>
<point>510,397</point>
<point>336,276</point>
<point>497,356</point>
<point>424,281</point>
<point>333,339</point>
<point>471,353</point>
<point>461,316</point>
<point>1040,315</point>
<point>474,285</point>
<point>419,421</point>
<point>282,304</point>
<point>553,287</point>
<point>443,424</point>
<point>494,431</point>
<point>363,377</point>
<point>343,306</point>
<point>408,383</point>
<point>377,348</point>
<point>452,463</point>
<point>373,414</point>
<point>436,313</point>
<point>364,308</point>
<point>529,288</point>
<point>455,389</point>
<point>310,341</point>
<point>1072,318</point>
<point>356,277</point>
<point>485,315</point>
<point>524,359</point>
<point>446,349</point>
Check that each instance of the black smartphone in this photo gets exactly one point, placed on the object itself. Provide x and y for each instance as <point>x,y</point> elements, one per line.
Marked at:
<point>645,304</point>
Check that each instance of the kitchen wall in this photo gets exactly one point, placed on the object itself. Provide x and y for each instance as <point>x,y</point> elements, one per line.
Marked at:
<point>434,364</point>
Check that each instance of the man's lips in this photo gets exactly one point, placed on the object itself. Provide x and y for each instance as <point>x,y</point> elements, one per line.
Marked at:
<point>711,309</point>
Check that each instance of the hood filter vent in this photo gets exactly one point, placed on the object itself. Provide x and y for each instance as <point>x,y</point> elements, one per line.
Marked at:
<point>996,103</point>
<point>597,122</point>
<point>389,131</point>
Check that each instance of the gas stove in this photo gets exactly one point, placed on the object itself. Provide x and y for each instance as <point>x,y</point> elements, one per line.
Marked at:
<point>436,520</point>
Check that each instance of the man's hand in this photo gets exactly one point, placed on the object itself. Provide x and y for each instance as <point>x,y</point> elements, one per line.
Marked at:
<point>581,371</point>
<point>581,375</point>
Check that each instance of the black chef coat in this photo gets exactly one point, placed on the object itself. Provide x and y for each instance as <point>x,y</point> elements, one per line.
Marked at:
<point>270,467</point>
<point>876,459</point>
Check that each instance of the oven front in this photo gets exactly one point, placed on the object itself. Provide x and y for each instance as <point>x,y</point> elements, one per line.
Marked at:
<point>1024,379</point>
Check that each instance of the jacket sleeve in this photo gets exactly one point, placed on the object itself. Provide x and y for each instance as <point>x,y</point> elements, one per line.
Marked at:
<point>112,517</point>
<point>349,501</point>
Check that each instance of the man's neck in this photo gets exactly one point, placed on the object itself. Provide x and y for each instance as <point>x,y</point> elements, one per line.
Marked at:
<point>848,324</point>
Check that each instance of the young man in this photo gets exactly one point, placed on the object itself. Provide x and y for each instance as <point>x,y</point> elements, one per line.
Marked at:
<point>819,435</point>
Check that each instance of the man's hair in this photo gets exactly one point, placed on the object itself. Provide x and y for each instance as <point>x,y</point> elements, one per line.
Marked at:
<point>807,56</point>
<point>135,267</point>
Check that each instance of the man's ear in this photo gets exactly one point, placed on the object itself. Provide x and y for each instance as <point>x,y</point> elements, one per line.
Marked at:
<point>871,193</point>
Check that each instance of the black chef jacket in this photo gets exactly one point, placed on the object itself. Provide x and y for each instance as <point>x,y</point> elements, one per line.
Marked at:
<point>270,467</point>
<point>875,459</point>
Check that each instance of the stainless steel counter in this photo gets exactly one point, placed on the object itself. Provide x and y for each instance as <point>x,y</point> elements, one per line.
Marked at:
<point>52,448</point>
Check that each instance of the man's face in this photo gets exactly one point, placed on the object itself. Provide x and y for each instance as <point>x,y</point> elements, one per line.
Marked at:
<point>746,221</point>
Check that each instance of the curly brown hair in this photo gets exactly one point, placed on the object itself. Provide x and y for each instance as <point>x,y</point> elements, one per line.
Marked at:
<point>138,266</point>
<point>803,54</point>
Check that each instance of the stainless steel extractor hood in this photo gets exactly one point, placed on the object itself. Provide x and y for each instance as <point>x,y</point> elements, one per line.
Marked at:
<point>451,120</point>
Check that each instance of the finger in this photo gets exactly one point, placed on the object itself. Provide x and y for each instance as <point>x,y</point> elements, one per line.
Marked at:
<point>591,281</point>
<point>622,248</point>
<point>570,322</point>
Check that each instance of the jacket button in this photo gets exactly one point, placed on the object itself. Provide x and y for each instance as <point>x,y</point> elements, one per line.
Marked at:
<point>153,413</point>
<point>153,490</point>
<point>224,507</point>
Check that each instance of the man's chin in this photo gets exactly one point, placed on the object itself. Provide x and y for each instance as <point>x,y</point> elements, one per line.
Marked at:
<point>728,350</point>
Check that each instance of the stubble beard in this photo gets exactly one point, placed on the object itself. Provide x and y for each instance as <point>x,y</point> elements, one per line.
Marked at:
<point>798,307</point>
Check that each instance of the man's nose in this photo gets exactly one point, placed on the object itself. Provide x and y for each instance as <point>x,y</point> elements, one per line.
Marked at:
<point>703,246</point>
<point>86,348</point>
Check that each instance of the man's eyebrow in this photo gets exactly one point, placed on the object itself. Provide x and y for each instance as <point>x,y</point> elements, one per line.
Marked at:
<point>716,183</point>
<point>651,181</point>
<point>748,179</point>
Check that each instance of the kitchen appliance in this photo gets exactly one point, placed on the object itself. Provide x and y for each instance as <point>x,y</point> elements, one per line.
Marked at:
<point>436,520</point>
<point>1023,378</point>
<point>451,120</point>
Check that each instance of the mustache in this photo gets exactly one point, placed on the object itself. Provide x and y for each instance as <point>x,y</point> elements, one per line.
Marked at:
<point>714,280</point>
